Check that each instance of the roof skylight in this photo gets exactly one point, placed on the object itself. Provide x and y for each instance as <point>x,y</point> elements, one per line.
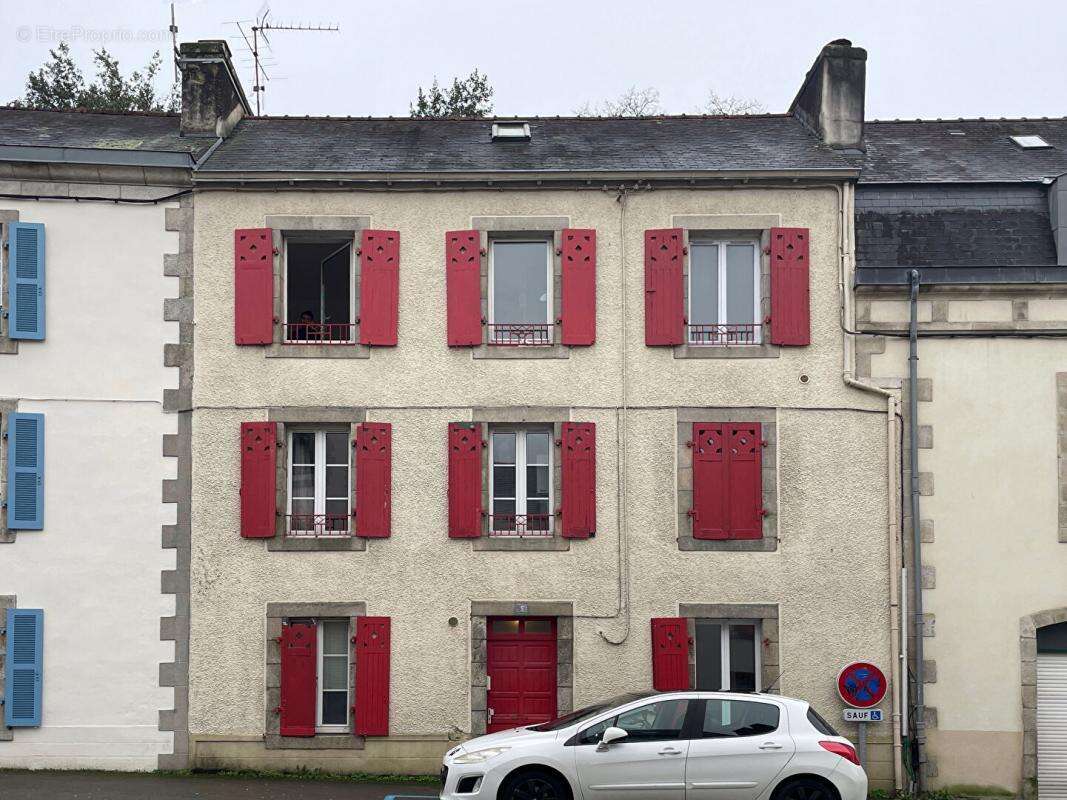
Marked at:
<point>1030,141</point>
<point>511,131</point>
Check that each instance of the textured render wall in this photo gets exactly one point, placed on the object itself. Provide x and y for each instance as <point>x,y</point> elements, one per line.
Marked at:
<point>992,551</point>
<point>833,552</point>
<point>94,569</point>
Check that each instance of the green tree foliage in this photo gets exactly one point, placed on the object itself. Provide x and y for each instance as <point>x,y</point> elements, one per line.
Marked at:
<point>471,97</point>
<point>59,85</point>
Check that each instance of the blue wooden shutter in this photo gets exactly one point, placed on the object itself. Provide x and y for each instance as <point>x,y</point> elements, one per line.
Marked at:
<point>26,280</point>
<point>25,648</point>
<point>25,472</point>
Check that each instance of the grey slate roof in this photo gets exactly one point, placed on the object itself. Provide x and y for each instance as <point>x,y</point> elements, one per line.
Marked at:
<point>97,131</point>
<point>925,152</point>
<point>763,142</point>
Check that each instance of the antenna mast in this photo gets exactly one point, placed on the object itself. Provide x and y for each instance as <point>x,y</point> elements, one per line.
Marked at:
<point>260,28</point>
<point>174,41</point>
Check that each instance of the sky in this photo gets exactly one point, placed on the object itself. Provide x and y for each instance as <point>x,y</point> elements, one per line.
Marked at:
<point>936,58</point>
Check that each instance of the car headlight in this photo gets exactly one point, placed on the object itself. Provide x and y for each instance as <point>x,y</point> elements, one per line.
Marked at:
<point>479,756</point>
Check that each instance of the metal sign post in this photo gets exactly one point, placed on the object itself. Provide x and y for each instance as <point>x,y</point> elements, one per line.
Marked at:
<point>862,686</point>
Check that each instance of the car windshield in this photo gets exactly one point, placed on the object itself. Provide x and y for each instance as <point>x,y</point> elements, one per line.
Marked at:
<point>585,713</point>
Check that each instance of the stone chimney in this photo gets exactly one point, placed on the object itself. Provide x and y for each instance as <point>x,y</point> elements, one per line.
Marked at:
<point>212,98</point>
<point>830,101</point>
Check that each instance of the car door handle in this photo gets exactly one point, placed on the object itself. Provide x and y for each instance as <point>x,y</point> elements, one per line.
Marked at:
<point>770,746</point>
<point>670,751</point>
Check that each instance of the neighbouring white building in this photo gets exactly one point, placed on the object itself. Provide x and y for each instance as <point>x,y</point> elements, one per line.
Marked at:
<point>90,216</point>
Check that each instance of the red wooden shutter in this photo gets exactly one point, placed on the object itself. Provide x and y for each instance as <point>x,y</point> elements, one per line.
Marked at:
<point>790,303</point>
<point>464,480</point>
<point>664,304</point>
<point>463,278</point>
<point>374,479</point>
<point>578,504</point>
<point>253,286</point>
<point>578,259</point>
<point>744,445</point>
<point>379,287</point>
<point>259,450</point>
<point>670,654</point>
<point>372,676</point>
<point>710,482</point>
<point>299,656</point>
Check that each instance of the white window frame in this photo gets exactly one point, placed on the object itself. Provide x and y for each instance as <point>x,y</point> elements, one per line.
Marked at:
<point>549,320</point>
<point>351,292</point>
<point>320,478</point>
<point>319,672</point>
<point>520,475</point>
<point>724,648</point>
<point>722,244</point>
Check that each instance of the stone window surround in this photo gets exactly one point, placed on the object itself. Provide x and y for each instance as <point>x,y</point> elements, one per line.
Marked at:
<point>6,601</point>
<point>517,416</point>
<point>743,226</point>
<point>766,614</point>
<point>8,346</point>
<point>1028,626</point>
<point>8,407</point>
<point>277,615</point>
<point>283,226</point>
<point>481,610</point>
<point>505,227</point>
<point>301,416</point>
<point>768,419</point>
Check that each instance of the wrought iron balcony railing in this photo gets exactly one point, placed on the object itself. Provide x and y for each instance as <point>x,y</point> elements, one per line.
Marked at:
<point>317,526</point>
<point>521,525</point>
<point>524,334</point>
<point>319,333</point>
<point>723,335</point>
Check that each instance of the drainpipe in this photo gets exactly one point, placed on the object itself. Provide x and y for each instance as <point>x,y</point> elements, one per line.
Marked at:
<point>897,646</point>
<point>916,533</point>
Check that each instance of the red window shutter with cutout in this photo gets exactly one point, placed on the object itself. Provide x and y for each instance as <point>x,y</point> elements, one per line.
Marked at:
<point>372,644</point>
<point>664,304</point>
<point>463,279</point>
<point>578,291</point>
<point>464,480</point>
<point>259,452</point>
<point>379,287</point>
<point>578,505</point>
<point>253,286</point>
<point>374,479</point>
<point>744,445</point>
<point>790,287</point>
<point>710,482</point>
<point>670,654</point>
<point>299,657</point>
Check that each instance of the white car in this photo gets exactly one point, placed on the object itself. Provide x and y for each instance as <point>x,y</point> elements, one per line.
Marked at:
<point>663,746</point>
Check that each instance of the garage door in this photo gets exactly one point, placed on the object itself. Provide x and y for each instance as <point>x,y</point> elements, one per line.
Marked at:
<point>521,672</point>
<point>1052,726</point>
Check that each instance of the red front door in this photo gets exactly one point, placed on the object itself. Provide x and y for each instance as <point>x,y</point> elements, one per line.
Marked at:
<point>521,668</point>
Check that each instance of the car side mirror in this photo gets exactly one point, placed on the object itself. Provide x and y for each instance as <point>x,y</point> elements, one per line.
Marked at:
<point>610,735</point>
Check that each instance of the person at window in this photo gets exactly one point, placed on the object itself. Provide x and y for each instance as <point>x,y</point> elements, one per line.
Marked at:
<point>307,328</point>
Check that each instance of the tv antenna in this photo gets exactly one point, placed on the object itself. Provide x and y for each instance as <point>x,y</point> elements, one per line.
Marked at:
<point>174,42</point>
<point>260,28</point>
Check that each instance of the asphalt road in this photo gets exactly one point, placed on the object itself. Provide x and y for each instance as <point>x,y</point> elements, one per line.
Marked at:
<point>134,786</point>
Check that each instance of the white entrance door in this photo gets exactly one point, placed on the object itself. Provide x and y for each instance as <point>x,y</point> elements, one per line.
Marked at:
<point>1052,726</point>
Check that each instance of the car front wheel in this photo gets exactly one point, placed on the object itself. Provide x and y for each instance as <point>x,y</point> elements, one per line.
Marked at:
<point>535,785</point>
